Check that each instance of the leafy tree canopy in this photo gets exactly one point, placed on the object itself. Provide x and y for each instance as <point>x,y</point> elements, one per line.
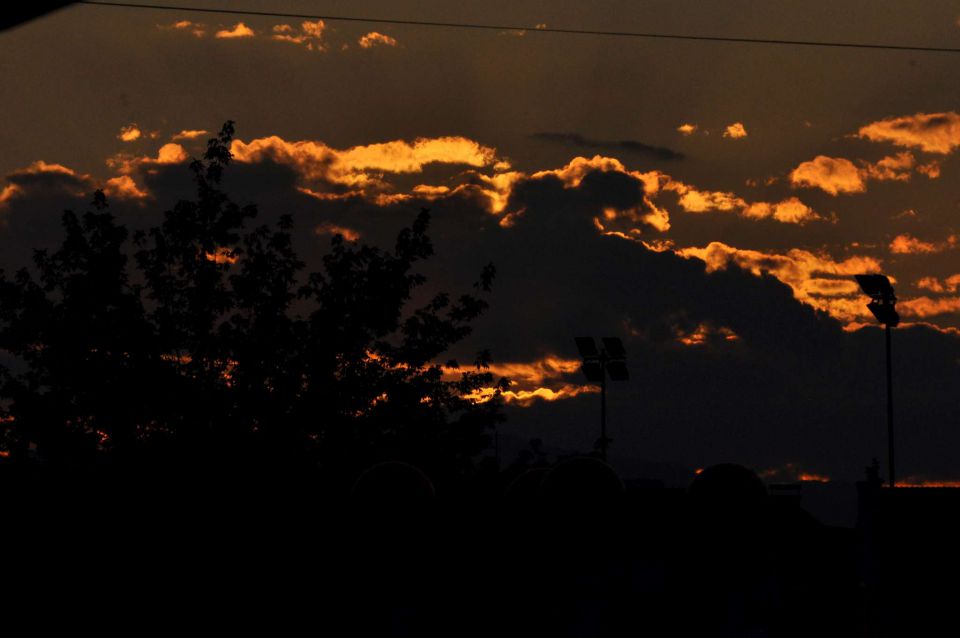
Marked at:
<point>205,343</point>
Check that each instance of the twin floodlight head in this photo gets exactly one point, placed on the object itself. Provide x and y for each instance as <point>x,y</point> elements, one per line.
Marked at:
<point>610,357</point>
<point>883,304</point>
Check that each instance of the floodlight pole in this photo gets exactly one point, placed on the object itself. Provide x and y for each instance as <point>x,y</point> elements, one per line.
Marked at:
<point>893,480</point>
<point>603,404</point>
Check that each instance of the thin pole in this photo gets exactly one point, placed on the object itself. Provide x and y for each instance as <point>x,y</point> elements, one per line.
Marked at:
<point>603,405</point>
<point>893,480</point>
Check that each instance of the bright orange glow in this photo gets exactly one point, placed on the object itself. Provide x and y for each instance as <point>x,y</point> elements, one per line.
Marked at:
<point>792,472</point>
<point>332,229</point>
<point>687,129</point>
<point>914,481</point>
<point>703,332</point>
<point>947,330</point>
<point>222,255</point>
<point>696,338</point>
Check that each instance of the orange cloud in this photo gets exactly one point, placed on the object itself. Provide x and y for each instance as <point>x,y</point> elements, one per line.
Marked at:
<point>129,133</point>
<point>950,284</point>
<point>687,129</point>
<point>536,372</point>
<point>788,211</point>
<point>894,167</point>
<point>240,30</point>
<point>735,131</point>
<point>313,29</point>
<point>930,169</point>
<point>494,189</point>
<point>695,201</point>
<point>566,391</point>
<point>373,39</point>
<point>854,326</point>
<point>802,270</point>
<point>328,228</point>
<point>196,28</point>
<point>171,154</point>
<point>907,244</point>
<point>836,175</point>
<point>188,134</point>
<point>8,193</point>
<point>705,333</point>
<point>579,167</point>
<point>24,180</point>
<point>542,379</point>
<point>361,169</point>
<point>40,166</point>
<point>123,187</point>
<point>310,34</point>
<point>691,199</point>
<point>923,307</point>
<point>125,163</point>
<point>831,174</point>
<point>930,132</point>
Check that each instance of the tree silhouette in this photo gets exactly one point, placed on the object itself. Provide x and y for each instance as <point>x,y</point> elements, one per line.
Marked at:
<point>215,348</point>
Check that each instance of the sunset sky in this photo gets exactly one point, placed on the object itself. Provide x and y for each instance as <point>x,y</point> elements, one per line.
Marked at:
<point>706,202</point>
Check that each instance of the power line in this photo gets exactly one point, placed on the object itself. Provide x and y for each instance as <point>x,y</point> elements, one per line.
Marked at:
<point>493,27</point>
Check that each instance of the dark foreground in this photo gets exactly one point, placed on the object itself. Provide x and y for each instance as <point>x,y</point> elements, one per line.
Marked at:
<point>570,558</point>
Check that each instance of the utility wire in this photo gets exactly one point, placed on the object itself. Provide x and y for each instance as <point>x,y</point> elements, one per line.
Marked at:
<point>493,27</point>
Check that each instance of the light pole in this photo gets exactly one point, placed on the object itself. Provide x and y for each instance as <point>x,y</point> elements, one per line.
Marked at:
<point>883,306</point>
<point>597,364</point>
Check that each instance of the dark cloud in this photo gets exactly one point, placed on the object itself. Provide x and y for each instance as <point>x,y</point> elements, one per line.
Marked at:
<point>770,382</point>
<point>631,146</point>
